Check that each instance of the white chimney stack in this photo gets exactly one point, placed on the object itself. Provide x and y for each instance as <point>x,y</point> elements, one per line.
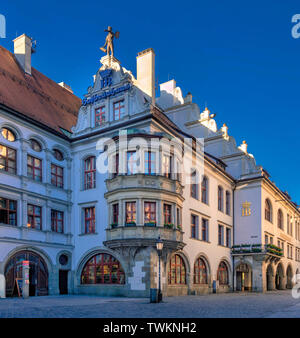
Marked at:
<point>23,50</point>
<point>145,64</point>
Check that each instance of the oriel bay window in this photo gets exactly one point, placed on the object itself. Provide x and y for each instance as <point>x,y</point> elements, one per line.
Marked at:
<point>34,216</point>
<point>8,211</point>
<point>130,217</point>
<point>177,271</point>
<point>57,221</point>
<point>89,220</point>
<point>168,215</point>
<point>90,173</point>
<point>34,168</point>
<point>150,163</point>
<point>103,269</point>
<point>8,159</point>
<point>150,213</point>
<point>57,176</point>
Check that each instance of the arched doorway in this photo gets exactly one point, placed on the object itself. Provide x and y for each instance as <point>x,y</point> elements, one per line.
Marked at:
<point>243,277</point>
<point>289,277</point>
<point>279,277</point>
<point>38,273</point>
<point>270,278</point>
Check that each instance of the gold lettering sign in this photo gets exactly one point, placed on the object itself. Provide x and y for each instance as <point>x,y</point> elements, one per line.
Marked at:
<point>246,211</point>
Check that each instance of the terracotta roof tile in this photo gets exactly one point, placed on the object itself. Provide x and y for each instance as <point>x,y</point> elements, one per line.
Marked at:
<point>36,96</point>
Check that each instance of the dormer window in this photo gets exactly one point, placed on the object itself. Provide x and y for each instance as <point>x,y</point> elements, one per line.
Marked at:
<point>118,110</point>
<point>99,116</point>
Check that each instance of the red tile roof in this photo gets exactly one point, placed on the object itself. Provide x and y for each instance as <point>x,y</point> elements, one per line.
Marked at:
<point>36,96</point>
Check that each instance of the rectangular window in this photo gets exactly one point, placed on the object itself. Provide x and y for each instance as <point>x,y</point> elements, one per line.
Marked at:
<point>99,116</point>
<point>266,239</point>
<point>118,110</point>
<point>220,235</point>
<point>150,213</point>
<point>34,217</point>
<point>271,240</point>
<point>116,166</point>
<point>194,226</point>
<point>178,216</point>
<point>90,173</point>
<point>115,216</point>
<point>204,229</point>
<point>130,213</point>
<point>8,161</point>
<point>89,220</point>
<point>8,211</point>
<point>228,237</point>
<point>167,214</point>
<point>228,203</point>
<point>167,165</point>
<point>131,162</point>
<point>150,163</point>
<point>57,221</point>
<point>34,168</point>
<point>57,176</point>
<point>220,198</point>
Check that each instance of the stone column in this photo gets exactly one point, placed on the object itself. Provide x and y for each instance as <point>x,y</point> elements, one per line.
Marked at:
<point>259,275</point>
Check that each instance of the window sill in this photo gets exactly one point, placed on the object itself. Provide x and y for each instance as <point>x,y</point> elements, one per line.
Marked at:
<point>88,234</point>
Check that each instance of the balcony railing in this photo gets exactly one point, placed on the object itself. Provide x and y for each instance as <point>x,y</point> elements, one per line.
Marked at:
<point>257,248</point>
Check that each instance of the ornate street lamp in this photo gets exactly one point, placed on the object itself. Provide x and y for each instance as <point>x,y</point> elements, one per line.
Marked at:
<point>159,248</point>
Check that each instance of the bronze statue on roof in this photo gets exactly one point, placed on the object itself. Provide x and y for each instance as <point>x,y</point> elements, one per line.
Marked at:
<point>109,41</point>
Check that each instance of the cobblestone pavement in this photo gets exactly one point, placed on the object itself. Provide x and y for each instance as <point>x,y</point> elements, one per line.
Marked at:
<point>237,305</point>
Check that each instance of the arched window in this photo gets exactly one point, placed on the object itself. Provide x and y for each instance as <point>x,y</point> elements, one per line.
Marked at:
<point>204,190</point>
<point>280,219</point>
<point>58,155</point>
<point>177,271</point>
<point>223,274</point>
<point>200,272</point>
<point>220,198</point>
<point>103,269</point>
<point>90,173</point>
<point>268,210</point>
<point>35,145</point>
<point>8,134</point>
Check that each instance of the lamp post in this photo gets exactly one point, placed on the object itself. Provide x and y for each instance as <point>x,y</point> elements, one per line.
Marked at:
<point>159,248</point>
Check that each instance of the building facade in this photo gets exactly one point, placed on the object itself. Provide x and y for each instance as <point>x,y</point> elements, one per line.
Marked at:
<point>88,186</point>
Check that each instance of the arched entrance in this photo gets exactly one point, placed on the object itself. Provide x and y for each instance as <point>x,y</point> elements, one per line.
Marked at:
<point>279,278</point>
<point>270,278</point>
<point>289,277</point>
<point>38,273</point>
<point>243,277</point>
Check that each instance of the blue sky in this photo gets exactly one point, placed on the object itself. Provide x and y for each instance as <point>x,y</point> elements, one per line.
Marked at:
<point>239,57</point>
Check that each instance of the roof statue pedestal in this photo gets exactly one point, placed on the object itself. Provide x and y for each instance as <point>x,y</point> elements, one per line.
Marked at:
<point>109,61</point>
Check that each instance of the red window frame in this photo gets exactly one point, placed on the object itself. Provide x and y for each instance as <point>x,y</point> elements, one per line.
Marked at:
<point>57,175</point>
<point>223,274</point>
<point>177,271</point>
<point>36,170</point>
<point>89,220</point>
<point>200,272</point>
<point>33,216</point>
<point>99,116</point>
<point>103,269</point>
<point>150,163</point>
<point>167,166</point>
<point>167,213</point>
<point>57,221</point>
<point>6,211</point>
<point>8,159</point>
<point>8,134</point>
<point>90,173</point>
<point>130,208</point>
<point>118,109</point>
<point>150,212</point>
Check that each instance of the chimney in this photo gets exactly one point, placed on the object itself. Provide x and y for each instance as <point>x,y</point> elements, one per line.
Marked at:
<point>23,50</point>
<point>145,64</point>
